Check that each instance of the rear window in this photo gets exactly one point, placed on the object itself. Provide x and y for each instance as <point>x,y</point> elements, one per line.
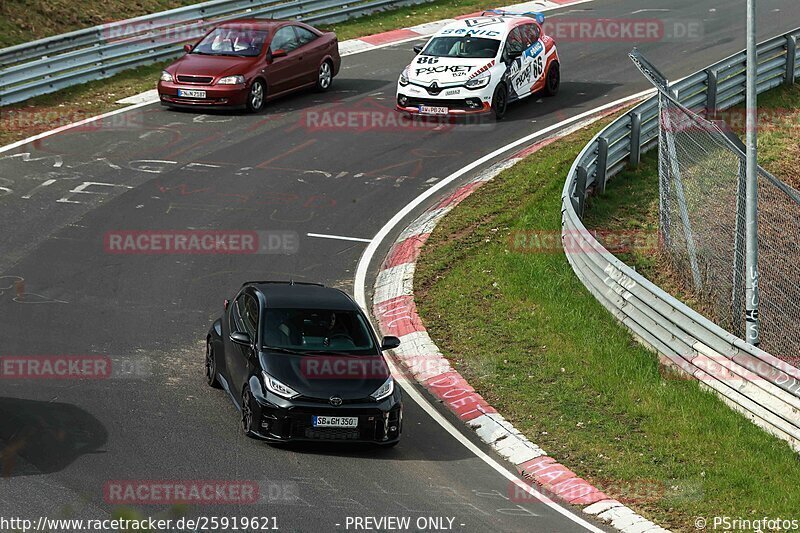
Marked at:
<point>464,46</point>
<point>232,42</point>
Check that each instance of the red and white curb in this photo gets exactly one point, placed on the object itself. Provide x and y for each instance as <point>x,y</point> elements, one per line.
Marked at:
<point>396,314</point>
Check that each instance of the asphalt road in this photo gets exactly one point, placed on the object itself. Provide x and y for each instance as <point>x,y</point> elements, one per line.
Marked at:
<point>291,169</point>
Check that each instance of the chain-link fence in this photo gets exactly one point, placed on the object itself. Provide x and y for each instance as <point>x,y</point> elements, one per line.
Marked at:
<point>702,223</point>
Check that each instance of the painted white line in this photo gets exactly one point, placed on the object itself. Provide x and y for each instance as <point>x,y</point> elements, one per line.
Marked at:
<point>337,237</point>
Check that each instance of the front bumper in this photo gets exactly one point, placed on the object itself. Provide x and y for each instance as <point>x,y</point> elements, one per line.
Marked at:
<point>281,420</point>
<point>467,105</point>
<point>216,95</point>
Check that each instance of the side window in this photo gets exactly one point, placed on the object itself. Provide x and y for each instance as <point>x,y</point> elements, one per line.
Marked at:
<point>536,32</point>
<point>235,322</point>
<point>250,316</point>
<point>284,39</point>
<point>304,36</point>
<point>514,42</point>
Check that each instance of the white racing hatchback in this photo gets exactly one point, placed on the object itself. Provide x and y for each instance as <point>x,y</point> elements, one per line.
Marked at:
<point>480,65</point>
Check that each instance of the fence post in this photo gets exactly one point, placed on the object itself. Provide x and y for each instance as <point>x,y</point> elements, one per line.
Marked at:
<point>636,138</point>
<point>580,190</point>
<point>791,58</point>
<point>602,164</point>
<point>711,92</point>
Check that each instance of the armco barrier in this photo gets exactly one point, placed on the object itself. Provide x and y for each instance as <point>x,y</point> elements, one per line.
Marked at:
<point>762,387</point>
<point>51,64</point>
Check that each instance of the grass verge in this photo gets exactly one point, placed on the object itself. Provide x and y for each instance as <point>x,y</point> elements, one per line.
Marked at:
<point>529,337</point>
<point>23,22</point>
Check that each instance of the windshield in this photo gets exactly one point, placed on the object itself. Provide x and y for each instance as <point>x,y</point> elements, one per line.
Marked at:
<point>462,46</point>
<point>317,330</point>
<point>232,42</point>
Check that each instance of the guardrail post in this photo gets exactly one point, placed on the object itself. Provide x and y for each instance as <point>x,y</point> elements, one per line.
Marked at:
<point>711,91</point>
<point>636,138</point>
<point>791,58</point>
<point>602,164</point>
<point>580,189</point>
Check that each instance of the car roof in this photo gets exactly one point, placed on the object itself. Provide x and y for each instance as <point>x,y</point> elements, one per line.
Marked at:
<point>296,295</point>
<point>480,25</point>
<point>254,24</point>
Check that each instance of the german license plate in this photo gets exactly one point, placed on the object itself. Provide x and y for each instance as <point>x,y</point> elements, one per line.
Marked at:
<point>335,421</point>
<point>433,110</point>
<point>187,93</point>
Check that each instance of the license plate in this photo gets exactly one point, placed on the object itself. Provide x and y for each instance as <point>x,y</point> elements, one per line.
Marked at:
<point>433,110</point>
<point>186,93</point>
<point>335,421</point>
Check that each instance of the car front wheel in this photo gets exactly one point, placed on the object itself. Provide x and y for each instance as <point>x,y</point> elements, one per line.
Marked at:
<point>211,366</point>
<point>500,101</point>
<point>248,414</point>
<point>256,96</point>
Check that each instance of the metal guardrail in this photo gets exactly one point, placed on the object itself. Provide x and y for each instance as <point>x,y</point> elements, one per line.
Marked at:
<point>762,387</point>
<point>51,64</point>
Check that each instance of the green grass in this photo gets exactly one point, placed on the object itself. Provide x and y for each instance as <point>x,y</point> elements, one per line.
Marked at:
<point>528,336</point>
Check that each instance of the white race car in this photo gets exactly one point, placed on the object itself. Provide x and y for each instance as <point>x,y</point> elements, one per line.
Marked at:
<point>479,65</point>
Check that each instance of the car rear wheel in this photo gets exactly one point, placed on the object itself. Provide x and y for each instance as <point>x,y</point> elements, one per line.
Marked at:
<point>248,413</point>
<point>500,101</point>
<point>553,81</point>
<point>324,76</point>
<point>256,96</point>
<point>211,366</point>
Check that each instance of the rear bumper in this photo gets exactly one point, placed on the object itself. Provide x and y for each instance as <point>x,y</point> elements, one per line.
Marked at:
<point>228,96</point>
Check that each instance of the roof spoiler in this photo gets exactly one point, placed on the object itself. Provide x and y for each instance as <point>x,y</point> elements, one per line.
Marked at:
<point>532,14</point>
<point>290,282</point>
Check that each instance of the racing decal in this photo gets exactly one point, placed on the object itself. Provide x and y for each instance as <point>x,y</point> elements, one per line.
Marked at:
<point>483,21</point>
<point>429,60</point>
<point>456,71</point>
<point>534,50</point>
<point>483,69</point>
<point>474,33</point>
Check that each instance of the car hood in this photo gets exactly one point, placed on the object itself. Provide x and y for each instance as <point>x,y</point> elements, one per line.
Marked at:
<point>201,65</point>
<point>445,69</point>
<point>323,376</point>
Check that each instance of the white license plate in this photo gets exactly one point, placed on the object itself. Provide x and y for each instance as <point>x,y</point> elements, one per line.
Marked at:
<point>335,421</point>
<point>433,110</point>
<point>186,93</point>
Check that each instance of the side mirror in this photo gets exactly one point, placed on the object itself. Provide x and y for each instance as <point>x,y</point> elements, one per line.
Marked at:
<point>418,48</point>
<point>187,48</point>
<point>280,52</point>
<point>389,343</point>
<point>242,339</point>
<point>514,54</point>
<point>225,304</point>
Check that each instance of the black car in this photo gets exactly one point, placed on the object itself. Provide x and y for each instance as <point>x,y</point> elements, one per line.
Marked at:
<point>301,362</point>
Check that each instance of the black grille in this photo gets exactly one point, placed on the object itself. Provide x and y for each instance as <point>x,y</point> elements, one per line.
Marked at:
<point>333,433</point>
<point>195,79</point>
<point>450,103</point>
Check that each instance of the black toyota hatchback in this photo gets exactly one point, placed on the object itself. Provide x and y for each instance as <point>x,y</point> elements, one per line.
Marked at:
<point>301,362</point>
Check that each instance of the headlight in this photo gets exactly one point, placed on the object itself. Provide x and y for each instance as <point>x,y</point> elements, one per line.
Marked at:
<point>384,391</point>
<point>276,387</point>
<point>479,81</point>
<point>404,77</point>
<point>166,76</point>
<point>231,80</point>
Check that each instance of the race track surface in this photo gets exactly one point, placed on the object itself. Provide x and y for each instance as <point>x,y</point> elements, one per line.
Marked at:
<point>296,168</point>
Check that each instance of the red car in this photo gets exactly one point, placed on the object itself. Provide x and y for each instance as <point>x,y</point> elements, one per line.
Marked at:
<point>244,63</point>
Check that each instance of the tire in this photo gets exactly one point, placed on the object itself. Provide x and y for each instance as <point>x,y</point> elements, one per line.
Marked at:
<point>553,80</point>
<point>211,366</point>
<point>324,76</point>
<point>247,414</point>
<point>256,96</point>
<point>500,101</point>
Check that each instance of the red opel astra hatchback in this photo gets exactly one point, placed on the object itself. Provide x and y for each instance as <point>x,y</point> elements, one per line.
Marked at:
<point>244,63</point>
